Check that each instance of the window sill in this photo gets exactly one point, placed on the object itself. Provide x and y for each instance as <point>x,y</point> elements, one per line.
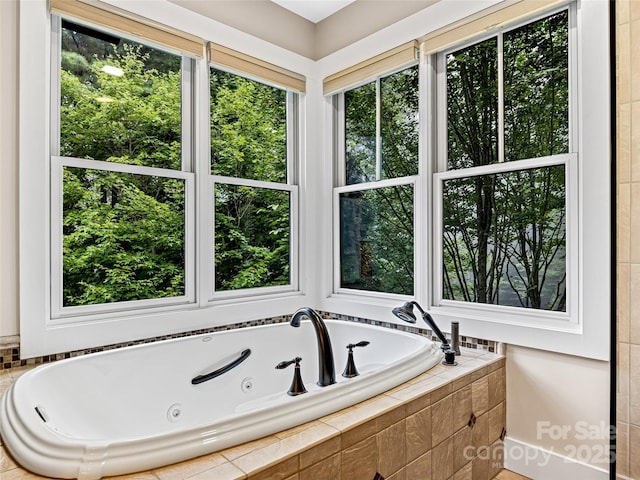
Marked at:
<point>582,338</point>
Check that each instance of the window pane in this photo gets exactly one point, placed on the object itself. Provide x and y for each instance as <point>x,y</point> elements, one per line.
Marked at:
<point>252,239</point>
<point>505,239</point>
<point>472,105</point>
<point>399,123</point>
<point>123,237</point>
<point>360,134</point>
<point>248,128</point>
<point>120,101</point>
<point>536,88</point>
<point>376,240</point>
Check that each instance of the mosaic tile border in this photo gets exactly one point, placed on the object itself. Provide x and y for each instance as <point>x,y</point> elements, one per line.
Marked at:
<point>10,350</point>
<point>465,341</point>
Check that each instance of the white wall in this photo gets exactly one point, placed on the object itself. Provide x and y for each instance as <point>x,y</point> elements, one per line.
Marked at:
<point>9,168</point>
<point>558,403</point>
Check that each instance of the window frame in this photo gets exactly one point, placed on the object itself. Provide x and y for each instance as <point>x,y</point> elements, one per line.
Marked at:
<point>290,185</point>
<point>45,327</point>
<point>525,316</point>
<point>292,286</point>
<point>62,314</point>
<point>69,314</point>
<point>586,331</point>
<point>413,181</point>
<point>340,185</point>
<point>533,317</point>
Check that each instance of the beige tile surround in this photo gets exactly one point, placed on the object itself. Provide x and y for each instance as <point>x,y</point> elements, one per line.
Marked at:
<point>628,235</point>
<point>419,430</point>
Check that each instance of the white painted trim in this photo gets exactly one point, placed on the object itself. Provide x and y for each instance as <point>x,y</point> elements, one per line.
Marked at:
<point>430,19</point>
<point>540,464</point>
<point>558,321</point>
<point>315,187</point>
<point>590,299</point>
<point>169,13</point>
<point>40,335</point>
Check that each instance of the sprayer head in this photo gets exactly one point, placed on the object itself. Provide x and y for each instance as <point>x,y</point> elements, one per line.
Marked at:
<point>405,313</point>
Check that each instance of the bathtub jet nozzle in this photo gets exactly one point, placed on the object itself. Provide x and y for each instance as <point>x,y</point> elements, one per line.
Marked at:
<point>405,313</point>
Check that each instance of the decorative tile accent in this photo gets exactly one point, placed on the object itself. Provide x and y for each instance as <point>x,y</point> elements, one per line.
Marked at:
<point>10,346</point>
<point>10,355</point>
<point>465,341</point>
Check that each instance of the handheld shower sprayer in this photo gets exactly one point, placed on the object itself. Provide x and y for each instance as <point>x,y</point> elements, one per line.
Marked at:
<point>405,313</point>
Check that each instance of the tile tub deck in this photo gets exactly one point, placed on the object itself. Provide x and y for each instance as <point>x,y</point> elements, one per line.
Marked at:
<point>447,423</point>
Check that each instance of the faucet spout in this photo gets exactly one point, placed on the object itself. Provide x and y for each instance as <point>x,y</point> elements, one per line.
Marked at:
<point>326,367</point>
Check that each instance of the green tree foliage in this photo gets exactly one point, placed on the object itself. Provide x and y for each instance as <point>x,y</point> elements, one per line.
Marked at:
<point>248,128</point>
<point>504,234</point>
<point>377,225</point>
<point>248,141</point>
<point>536,85</point>
<point>121,243</point>
<point>252,237</point>
<point>377,238</point>
<point>123,233</point>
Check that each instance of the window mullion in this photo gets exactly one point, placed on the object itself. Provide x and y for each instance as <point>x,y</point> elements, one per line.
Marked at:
<point>56,60</point>
<point>500,98</point>
<point>204,265</point>
<point>378,130</point>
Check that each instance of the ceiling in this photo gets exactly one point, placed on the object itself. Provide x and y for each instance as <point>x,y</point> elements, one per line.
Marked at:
<point>313,10</point>
<point>311,28</point>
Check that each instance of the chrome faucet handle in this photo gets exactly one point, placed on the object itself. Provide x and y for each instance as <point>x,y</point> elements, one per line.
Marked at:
<point>350,370</point>
<point>297,387</point>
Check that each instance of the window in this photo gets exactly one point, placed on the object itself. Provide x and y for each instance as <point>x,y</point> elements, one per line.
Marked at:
<point>254,198</point>
<point>400,205</point>
<point>159,191</point>
<point>504,211</point>
<point>508,156</point>
<point>124,229</point>
<point>125,226</point>
<point>127,191</point>
<point>375,209</point>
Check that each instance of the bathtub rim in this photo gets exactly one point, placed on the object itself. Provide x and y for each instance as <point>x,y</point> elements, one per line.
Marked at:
<point>61,456</point>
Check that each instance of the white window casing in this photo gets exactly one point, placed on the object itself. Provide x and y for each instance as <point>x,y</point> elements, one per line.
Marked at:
<point>583,330</point>
<point>46,326</point>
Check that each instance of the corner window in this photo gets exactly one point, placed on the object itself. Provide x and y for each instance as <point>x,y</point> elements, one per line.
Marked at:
<point>506,169</point>
<point>375,204</point>
<point>505,210</point>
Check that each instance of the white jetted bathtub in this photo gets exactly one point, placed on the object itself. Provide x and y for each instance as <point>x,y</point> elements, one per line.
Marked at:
<point>145,406</point>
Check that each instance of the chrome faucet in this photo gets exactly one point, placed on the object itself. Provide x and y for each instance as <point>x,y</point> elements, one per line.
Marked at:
<point>326,367</point>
